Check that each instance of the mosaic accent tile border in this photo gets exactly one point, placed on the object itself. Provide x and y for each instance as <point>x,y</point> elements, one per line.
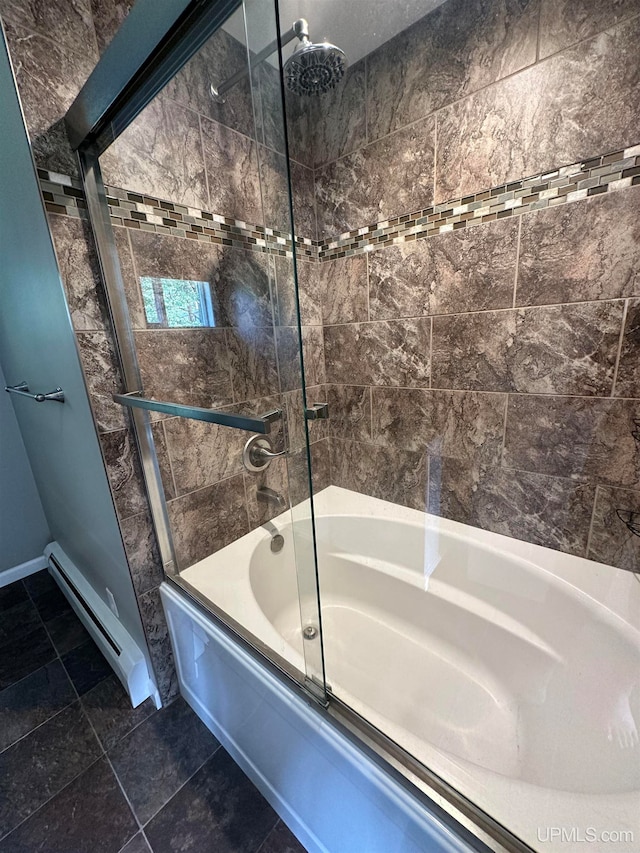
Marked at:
<point>608,173</point>
<point>64,195</point>
<point>165,217</point>
<point>615,171</point>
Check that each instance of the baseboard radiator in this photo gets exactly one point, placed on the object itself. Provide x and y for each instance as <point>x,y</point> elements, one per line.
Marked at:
<point>114,641</point>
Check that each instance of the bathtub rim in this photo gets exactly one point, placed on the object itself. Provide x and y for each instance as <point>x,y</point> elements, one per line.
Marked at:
<point>566,568</point>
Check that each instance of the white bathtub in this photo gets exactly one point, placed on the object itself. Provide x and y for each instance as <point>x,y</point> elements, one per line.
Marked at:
<point>509,669</point>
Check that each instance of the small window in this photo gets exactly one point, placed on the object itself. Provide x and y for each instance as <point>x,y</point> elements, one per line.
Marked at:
<point>177,303</point>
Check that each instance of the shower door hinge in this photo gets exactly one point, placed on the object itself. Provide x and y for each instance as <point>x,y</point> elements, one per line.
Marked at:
<point>317,411</point>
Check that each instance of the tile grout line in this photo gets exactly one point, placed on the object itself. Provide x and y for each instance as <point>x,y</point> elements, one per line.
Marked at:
<point>615,25</point>
<point>246,498</point>
<point>112,768</point>
<point>144,835</point>
<point>124,794</point>
<point>52,797</point>
<point>366,97</point>
<point>435,156</point>
<point>619,349</point>
<point>431,354</point>
<point>137,725</point>
<point>344,247</point>
<point>171,471</point>
<point>178,330</point>
<point>270,832</point>
<point>517,269</point>
<point>484,391</point>
<point>207,486</point>
<point>593,517</point>
<point>566,479</point>
<point>29,674</point>
<point>522,185</point>
<point>55,648</point>
<point>504,433</point>
<point>44,722</point>
<point>177,791</point>
<point>467,95</point>
<point>103,752</point>
<point>428,492</point>
<point>371,412</point>
<point>84,714</point>
<point>134,265</point>
<point>227,332</point>
<point>368,275</point>
<point>533,307</point>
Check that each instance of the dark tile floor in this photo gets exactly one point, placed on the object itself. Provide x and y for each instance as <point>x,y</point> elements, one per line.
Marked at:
<point>83,772</point>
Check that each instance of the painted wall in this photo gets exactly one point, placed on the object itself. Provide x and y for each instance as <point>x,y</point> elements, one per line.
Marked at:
<point>23,527</point>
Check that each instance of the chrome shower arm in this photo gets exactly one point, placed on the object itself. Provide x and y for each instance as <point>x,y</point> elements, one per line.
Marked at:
<point>300,29</point>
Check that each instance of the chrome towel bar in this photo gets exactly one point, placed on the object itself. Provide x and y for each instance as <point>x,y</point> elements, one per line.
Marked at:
<point>22,389</point>
<point>258,423</point>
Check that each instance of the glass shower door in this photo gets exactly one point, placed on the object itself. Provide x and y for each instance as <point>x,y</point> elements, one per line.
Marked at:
<point>196,214</point>
<point>478,549</point>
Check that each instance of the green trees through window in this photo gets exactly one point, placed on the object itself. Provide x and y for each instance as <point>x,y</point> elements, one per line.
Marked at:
<point>177,303</point>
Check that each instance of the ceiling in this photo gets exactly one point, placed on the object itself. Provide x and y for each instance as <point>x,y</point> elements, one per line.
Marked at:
<point>357,26</point>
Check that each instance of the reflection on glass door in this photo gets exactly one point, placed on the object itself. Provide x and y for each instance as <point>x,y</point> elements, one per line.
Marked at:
<point>198,195</point>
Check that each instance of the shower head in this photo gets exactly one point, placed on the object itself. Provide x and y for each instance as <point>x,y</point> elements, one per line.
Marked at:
<point>313,69</point>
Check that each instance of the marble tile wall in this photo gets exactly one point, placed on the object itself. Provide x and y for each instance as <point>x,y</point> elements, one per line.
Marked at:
<point>249,361</point>
<point>486,387</point>
<point>488,374</point>
<point>53,49</point>
<point>188,167</point>
<point>227,158</point>
<point>524,339</point>
<point>474,95</point>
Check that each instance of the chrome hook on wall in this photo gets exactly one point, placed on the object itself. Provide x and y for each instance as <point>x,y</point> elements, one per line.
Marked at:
<point>22,389</point>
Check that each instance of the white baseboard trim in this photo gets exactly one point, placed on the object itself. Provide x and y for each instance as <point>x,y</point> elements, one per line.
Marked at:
<point>16,573</point>
<point>119,648</point>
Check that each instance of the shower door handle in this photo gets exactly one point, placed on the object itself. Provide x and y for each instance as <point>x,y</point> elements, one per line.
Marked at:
<point>252,423</point>
<point>22,389</point>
